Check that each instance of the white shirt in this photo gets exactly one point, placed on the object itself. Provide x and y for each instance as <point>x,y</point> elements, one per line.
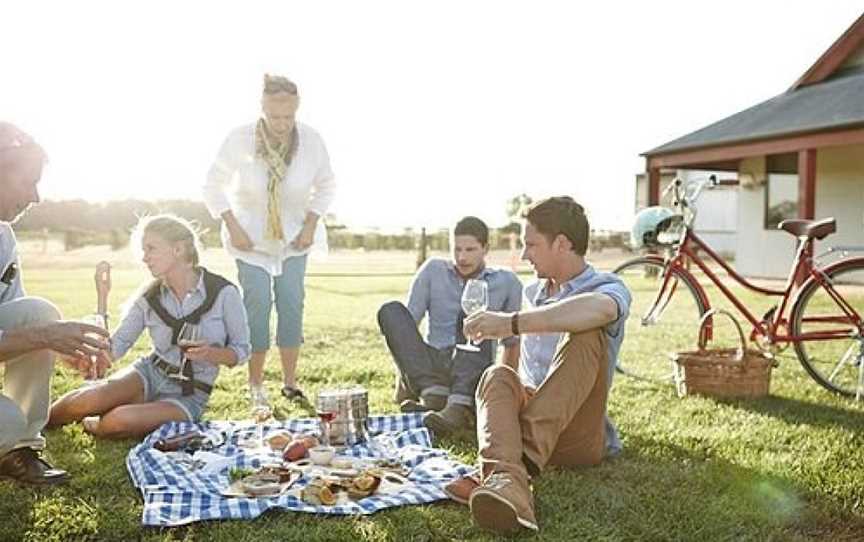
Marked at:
<point>237,181</point>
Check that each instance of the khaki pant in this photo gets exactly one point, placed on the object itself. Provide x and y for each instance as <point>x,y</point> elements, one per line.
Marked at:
<point>560,423</point>
<point>25,396</point>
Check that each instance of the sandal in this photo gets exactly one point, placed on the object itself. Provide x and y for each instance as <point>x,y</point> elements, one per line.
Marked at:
<point>294,394</point>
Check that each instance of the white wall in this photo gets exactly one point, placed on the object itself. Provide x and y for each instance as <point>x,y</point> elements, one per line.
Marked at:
<point>716,221</point>
<point>760,252</point>
<point>839,193</point>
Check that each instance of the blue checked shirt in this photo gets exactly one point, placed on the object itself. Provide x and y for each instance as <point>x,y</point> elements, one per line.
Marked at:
<point>538,350</point>
<point>437,290</point>
<point>224,324</point>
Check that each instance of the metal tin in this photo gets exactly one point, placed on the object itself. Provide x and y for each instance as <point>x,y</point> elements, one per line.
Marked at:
<point>351,408</point>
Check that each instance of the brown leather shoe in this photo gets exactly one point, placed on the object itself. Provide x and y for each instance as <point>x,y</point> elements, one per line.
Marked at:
<point>503,504</point>
<point>25,466</point>
<point>451,419</point>
<point>460,489</point>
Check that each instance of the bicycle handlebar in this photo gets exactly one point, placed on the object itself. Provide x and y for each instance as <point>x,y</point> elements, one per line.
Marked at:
<point>680,198</point>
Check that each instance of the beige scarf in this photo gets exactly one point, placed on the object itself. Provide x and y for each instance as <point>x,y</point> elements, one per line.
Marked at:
<point>278,156</point>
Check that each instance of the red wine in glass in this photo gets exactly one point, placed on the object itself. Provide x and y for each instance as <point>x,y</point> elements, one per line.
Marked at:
<point>190,336</point>
<point>326,417</point>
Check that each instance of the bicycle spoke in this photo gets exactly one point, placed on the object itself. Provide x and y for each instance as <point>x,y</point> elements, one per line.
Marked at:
<point>860,389</point>
<point>842,362</point>
<point>659,325</point>
<point>826,318</point>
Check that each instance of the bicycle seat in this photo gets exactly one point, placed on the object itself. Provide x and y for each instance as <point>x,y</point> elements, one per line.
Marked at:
<point>811,229</point>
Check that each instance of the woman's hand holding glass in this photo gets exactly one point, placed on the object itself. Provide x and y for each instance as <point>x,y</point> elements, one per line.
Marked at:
<point>206,353</point>
<point>189,338</point>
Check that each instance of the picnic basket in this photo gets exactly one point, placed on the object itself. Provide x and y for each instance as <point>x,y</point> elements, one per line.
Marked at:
<point>723,372</point>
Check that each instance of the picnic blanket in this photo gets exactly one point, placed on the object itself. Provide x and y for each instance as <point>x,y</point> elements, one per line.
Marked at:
<point>175,494</point>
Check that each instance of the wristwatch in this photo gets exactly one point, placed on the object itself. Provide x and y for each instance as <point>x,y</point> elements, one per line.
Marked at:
<point>514,323</point>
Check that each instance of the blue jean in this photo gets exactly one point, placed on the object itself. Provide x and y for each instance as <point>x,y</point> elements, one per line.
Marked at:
<point>261,290</point>
<point>160,387</point>
<point>425,369</point>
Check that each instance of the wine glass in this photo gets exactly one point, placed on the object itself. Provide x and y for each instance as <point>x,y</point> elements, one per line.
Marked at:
<point>261,412</point>
<point>189,337</point>
<point>326,418</point>
<point>475,298</point>
<point>98,320</point>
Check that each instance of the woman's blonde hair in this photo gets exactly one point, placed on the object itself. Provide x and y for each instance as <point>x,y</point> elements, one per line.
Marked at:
<point>173,229</point>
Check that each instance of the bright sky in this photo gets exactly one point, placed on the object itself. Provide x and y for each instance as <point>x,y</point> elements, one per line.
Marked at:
<point>430,110</point>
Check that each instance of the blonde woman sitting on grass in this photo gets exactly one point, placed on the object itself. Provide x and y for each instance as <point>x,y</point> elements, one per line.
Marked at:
<point>186,305</point>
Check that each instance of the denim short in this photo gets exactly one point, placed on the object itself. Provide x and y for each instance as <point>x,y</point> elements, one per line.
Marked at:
<point>160,387</point>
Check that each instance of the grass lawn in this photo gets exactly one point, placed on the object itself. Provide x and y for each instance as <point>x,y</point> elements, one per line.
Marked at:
<point>788,467</point>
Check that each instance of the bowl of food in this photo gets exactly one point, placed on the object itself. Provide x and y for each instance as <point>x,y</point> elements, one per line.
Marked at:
<point>322,455</point>
<point>259,485</point>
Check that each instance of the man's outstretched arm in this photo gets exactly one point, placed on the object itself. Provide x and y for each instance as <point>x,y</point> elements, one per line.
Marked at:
<point>72,339</point>
<point>572,315</point>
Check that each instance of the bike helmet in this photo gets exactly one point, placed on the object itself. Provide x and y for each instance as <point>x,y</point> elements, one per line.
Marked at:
<point>649,224</point>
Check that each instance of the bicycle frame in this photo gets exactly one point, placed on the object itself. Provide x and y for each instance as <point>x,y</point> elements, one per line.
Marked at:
<point>772,329</point>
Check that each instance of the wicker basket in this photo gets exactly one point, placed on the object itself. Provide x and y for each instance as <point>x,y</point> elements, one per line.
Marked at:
<point>726,372</point>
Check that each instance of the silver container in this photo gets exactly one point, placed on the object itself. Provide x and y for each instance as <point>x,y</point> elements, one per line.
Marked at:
<point>351,409</point>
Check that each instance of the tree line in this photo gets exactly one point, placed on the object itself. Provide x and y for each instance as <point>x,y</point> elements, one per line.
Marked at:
<point>82,223</point>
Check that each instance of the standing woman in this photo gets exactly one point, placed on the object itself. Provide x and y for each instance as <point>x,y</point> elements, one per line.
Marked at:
<point>271,183</point>
<point>161,386</point>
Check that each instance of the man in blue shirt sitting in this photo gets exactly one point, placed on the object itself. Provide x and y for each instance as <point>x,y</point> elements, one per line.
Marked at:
<point>443,377</point>
<point>550,407</point>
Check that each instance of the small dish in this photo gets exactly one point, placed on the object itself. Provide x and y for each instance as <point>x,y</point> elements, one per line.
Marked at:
<point>260,485</point>
<point>342,463</point>
<point>322,455</point>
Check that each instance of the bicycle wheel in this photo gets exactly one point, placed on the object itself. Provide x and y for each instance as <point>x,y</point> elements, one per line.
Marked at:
<point>648,344</point>
<point>835,364</point>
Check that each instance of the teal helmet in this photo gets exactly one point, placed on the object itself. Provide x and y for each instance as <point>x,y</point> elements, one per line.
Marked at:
<point>649,223</point>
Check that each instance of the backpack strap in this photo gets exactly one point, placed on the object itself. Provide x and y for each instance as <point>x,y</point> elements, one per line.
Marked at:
<point>213,284</point>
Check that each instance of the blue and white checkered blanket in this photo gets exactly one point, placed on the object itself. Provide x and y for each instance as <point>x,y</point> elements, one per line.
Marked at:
<point>174,494</point>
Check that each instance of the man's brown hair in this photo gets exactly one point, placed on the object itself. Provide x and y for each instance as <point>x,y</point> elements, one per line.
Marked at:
<point>561,215</point>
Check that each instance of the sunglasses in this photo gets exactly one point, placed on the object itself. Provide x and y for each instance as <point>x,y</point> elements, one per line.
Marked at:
<point>273,86</point>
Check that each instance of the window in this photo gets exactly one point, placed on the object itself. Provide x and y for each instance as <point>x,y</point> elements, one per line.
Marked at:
<point>781,199</point>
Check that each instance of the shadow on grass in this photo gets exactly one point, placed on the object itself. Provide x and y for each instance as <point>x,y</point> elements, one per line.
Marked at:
<point>659,491</point>
<point>654,491</point>
<point>796,411</point>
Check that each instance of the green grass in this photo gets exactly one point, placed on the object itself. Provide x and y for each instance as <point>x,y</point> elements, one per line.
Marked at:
<point>788,467</point>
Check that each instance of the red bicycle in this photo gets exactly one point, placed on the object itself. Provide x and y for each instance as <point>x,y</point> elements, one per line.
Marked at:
<point>819,310</point>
